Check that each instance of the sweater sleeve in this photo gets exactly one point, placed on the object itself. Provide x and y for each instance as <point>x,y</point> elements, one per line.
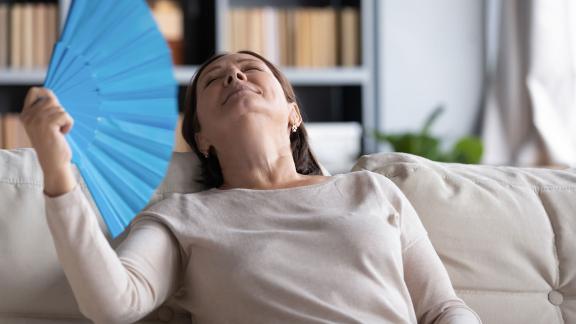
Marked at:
<point>430,288</point>
<point>112,286</point>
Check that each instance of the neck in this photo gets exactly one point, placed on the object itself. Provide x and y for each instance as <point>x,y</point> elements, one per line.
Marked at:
<point>251,160</point>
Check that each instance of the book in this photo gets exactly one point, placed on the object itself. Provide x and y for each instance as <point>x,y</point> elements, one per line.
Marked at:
<point>237,29</point>
<point>4,29</point>
<point>302,38</point>
<point>255,31</point>
<point>52,27</point>
<point>282,42</point>
<point>290,31</point>
<point>231,34</point>
<point>323,37</point>
<point>331,44</point>
<point>350,37</point>
<point>15,60</point>
<point>38,40</point>
<point>27,36</point>
<point>270,33</point>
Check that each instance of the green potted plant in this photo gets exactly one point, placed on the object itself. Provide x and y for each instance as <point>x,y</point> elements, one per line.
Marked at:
<point>467,149</point>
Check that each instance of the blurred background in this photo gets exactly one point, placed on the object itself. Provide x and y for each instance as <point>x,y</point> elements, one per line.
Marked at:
<point>467,81</point>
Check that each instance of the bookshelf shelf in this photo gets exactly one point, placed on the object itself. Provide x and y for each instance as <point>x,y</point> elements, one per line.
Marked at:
<point>299,76</point>
<point>21,77</point>
<point>183,74</point>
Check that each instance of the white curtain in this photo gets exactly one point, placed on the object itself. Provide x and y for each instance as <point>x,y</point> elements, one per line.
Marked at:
<point>530,112</point>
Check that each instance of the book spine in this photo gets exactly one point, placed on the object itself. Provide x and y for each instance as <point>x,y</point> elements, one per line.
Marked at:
<point>4,31</point>
<point>51,30</point>
<point>15,35</point>
<point>27,49</point>
<point>39,42</point>
<point>350,37</point>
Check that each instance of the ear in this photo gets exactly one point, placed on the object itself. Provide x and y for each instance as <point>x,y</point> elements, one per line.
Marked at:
<point>295,116</point>
<point>202,142</point>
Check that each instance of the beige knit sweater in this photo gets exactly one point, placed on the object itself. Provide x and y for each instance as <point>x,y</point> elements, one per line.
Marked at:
<point>348,250</point>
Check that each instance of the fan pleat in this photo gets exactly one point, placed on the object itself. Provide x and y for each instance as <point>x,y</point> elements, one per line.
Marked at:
<point>137,107</point>
<point>122,71</point>
<point>146,40</point>
<point>84,134</point>
<point>106,198</point>
<point>146,165</point>
<point>119,175</point>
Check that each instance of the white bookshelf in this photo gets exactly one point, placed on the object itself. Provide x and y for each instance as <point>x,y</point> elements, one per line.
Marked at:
<point>363,76</point>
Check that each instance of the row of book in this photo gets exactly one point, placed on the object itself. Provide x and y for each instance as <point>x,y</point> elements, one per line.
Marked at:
<point>12,132</point>
<point>28,31</point>
<point>300,37</point>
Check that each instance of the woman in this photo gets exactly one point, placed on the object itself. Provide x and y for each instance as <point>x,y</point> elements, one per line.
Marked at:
<point>271,240</point>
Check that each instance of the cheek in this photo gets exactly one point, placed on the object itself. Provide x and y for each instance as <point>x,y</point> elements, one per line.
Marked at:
<point>206,97</point>
<point>207,104</point>
<point>275,93</point>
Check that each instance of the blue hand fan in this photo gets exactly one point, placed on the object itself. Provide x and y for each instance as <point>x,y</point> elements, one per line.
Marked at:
<point>112,71</point>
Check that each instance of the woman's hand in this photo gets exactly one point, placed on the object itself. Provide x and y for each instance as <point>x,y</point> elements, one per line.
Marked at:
<point>46,122</point>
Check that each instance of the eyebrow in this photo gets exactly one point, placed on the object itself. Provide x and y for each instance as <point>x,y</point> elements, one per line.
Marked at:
<point>220,66</point>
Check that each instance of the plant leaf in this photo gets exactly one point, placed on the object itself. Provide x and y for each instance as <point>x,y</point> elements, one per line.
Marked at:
<point>468,150</point>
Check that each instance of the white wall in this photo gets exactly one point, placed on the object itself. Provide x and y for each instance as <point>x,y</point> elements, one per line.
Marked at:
<point>430,52</point>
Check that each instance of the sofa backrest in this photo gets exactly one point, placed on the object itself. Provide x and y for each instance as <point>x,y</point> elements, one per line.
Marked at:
<point>506,235</point>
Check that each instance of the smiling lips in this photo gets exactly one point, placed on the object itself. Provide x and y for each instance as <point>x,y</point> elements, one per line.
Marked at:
<point>236,90</point>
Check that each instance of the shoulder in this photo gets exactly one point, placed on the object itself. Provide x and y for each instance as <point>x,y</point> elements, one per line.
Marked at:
<point>381,185</point>
<point>171,210</point>
<point>369,178</point>
<point>366,183</point>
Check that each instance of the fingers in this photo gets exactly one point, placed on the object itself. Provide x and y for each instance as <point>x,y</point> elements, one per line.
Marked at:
<point>48,114</point>
<point>31,96</point>
<point>61,120</point>
<point>36,100</point>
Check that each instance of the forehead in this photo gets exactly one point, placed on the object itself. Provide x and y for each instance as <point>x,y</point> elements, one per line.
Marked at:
<point>230,58</point>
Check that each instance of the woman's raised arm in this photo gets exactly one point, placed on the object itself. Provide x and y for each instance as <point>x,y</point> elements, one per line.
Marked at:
<point>110,286</point>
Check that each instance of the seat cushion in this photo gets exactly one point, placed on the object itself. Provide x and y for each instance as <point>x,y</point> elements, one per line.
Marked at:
<point>506,235</point>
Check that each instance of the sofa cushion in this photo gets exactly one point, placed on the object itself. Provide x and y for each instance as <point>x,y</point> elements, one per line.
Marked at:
<point>506,235</point>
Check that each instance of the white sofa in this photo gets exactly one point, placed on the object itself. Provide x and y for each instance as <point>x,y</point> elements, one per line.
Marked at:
<point>507,237</point>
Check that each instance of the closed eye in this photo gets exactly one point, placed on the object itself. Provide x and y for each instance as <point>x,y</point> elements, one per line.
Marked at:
<point>252,68</point>
<point>209,81</point>
<point>246,69</point>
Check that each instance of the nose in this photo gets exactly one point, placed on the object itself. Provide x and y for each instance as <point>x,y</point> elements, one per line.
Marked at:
<point>235,73</point>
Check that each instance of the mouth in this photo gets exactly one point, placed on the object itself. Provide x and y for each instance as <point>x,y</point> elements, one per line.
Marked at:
<point>237,91</point>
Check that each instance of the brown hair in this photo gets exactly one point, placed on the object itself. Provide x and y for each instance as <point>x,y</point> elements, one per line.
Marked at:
<point>211,171</point>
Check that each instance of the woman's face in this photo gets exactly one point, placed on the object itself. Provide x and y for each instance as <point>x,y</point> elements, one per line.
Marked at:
<point>240,88</point>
